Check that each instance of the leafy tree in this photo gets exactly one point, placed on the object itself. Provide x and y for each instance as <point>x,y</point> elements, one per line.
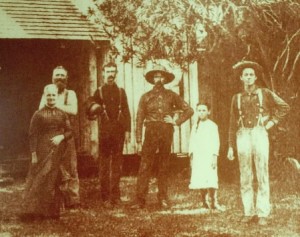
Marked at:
<point>185,31</point>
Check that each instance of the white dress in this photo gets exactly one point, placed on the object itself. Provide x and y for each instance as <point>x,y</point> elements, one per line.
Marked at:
<point>204,144</point>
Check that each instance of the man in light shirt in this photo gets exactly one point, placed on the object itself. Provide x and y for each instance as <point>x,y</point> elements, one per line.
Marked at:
<point>67,101</point>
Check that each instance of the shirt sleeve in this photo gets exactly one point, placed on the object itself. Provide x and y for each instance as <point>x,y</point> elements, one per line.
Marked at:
<point>233,122</point>
<point>182,105</point>
<point>34,131</point>
<point>125,111</point>
<point>216,139</point>
<point>71,107</point>
<point>280,107</point>
<point>68,133</point>
<point>140,117</point>
<point>192,139</point>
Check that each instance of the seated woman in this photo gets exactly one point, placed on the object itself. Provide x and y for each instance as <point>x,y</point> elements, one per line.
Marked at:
<point>49,130</point>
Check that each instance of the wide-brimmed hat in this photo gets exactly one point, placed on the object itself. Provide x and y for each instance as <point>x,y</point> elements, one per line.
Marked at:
<point>240,66</point>
<point>159,68</point>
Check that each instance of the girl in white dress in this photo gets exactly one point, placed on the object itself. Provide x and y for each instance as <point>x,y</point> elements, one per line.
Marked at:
<point>204,151</point>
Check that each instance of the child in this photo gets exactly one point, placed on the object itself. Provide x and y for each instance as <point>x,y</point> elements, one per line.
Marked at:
<point>204,151</point>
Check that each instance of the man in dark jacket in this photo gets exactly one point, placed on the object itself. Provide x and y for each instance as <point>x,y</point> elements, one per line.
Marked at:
<point>109,103</point>
<point>156,111</point>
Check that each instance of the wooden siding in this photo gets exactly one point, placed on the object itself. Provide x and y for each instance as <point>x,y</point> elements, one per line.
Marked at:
<point>45,19</point>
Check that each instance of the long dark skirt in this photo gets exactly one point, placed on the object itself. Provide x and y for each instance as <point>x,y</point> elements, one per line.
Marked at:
<point>42,195</point>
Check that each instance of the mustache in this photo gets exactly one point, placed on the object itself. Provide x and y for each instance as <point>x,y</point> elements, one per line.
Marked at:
<point>158,83</point>
<point>111,77</point>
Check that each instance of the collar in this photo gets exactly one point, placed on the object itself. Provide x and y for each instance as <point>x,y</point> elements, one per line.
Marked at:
<point>254,92</point>
<point>114,85</point>
<point>157,88</point>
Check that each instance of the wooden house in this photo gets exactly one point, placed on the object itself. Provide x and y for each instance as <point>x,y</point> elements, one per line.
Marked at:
<point>36,36</point>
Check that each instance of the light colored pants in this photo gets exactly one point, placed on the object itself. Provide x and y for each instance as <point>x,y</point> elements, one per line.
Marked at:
<point>253,145</point>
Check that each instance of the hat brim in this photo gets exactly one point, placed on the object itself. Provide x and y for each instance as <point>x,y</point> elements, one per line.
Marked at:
<point>240,66</point>
<point>168,76</point>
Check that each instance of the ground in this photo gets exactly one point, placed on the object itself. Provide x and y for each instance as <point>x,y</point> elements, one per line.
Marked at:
<point>184,219</point>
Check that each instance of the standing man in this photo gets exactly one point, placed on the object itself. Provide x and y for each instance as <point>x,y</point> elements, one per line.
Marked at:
<point>67,102</point>
<point>109,103</point>
<point>156,111</point>
<point>253,112</point>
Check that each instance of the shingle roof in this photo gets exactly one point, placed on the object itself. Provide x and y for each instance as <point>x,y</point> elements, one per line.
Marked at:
<point>45,19</point>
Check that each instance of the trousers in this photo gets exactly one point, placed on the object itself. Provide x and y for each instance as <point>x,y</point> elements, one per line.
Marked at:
<point>110,162</point>
<point>253,146</point>
<point>157,145</point>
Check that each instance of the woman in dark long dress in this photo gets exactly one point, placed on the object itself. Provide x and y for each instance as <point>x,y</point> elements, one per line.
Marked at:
<point>49,130</point>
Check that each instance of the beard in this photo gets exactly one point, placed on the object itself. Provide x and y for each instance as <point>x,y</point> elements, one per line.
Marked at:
<point>159,83</point>
<point>60,86</point>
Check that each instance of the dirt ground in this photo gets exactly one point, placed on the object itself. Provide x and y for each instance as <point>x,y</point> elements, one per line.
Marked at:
<point>185,218</point>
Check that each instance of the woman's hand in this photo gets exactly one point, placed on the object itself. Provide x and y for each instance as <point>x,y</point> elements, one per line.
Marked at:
<point>57,139</point>
<point>230,154</point>
<point>214,161</point>
<point>34,159</point>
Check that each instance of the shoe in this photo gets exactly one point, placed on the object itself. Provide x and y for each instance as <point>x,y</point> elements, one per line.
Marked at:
<point>164,204</point>
<point>217,207</point>
<point>249,219</point>
<point>73,206</point>
<point>205,205</point>
<point>107,204</point>
<point>262,221</point>
<point>137,206</point>
<point>116,202</point>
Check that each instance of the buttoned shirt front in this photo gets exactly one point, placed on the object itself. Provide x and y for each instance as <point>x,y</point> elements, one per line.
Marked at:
<point>158,103</point>
<point>272,107</point>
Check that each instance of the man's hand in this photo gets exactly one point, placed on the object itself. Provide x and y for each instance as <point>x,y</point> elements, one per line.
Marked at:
<point>34,159</point>
<point>230,155</point>
<point>269,124</point>
<point>127,137</point>
<point>169,119</point>
<point>57,139</point>
<point>139,147</point>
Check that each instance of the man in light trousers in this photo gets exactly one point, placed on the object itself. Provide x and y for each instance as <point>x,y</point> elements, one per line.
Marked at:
<point>253,112</point>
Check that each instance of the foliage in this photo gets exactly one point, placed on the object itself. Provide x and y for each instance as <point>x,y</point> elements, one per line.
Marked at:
<point>184,31</point>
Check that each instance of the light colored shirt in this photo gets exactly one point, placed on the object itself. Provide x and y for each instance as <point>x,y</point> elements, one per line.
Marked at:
<point>66,101</point>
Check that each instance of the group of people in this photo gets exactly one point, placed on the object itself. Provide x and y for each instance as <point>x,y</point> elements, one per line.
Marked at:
<point>53,173</point>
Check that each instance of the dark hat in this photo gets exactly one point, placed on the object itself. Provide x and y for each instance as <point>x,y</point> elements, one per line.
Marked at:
<point>93,111</point>
<point>240,66</point>
<point>159,68</point>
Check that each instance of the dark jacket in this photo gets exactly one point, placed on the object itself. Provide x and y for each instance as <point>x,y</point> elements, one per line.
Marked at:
<point>114,107</point>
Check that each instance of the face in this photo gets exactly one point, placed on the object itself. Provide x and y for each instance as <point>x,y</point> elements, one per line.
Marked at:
<point>158,78</point>
<point>248,76</point>
<point>59,78</point>
<point>109,75</point>
<point>202,112</point>
<point>51,96</point>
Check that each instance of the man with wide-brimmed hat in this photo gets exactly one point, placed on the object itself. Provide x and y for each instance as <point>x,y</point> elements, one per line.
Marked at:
<point>253,113</point>
<point>156,111</point>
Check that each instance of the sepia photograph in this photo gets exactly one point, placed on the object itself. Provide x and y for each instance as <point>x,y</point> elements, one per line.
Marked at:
<point>148,118</point>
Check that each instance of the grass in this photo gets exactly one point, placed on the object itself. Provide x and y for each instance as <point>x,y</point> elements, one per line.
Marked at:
<point>184,219</point>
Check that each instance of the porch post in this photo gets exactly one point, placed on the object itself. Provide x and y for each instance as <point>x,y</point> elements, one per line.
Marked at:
<point>94,139</point>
